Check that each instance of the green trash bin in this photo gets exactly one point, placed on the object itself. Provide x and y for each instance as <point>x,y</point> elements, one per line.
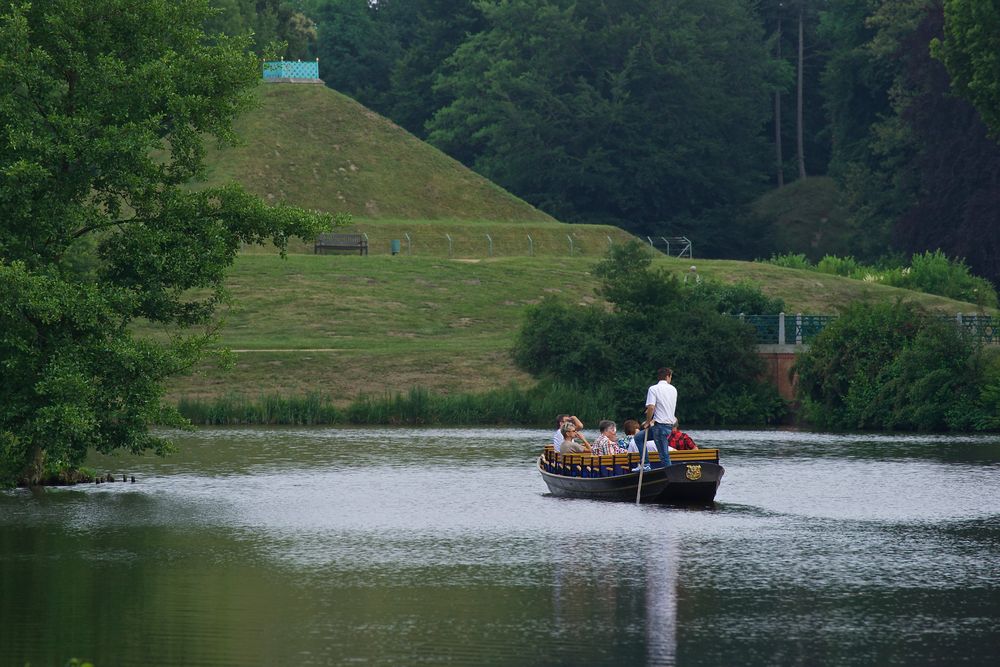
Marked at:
<point>394,246</point>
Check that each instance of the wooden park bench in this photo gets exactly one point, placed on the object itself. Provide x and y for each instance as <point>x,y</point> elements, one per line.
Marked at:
<point>330,242</point>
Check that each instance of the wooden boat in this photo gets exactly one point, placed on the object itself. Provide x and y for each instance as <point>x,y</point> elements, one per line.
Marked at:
<point>693,476</point>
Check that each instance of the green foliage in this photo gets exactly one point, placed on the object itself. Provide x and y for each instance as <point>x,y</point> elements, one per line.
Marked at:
<point>735,298</point>
<point>791,261</point>
<point>988,416</point>
<point>891,367</point>
<point>577,106</point>
<point>934,273</point>
<point>121,96</point>
<point>971,52</point>
<point>268,22</point>
<point>654,322</point>
<point>838,266</point>
<point>929,272</point>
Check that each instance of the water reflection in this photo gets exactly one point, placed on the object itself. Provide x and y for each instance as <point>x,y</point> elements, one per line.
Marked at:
<point>333,546</point>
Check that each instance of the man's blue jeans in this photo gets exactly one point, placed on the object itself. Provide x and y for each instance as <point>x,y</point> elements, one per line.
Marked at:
<point>660,433</point>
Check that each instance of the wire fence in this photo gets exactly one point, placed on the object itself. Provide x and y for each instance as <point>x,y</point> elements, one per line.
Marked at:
<point>482,242</point>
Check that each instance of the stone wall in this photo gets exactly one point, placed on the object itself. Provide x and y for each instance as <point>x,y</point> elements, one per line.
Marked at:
<point>778,362</point>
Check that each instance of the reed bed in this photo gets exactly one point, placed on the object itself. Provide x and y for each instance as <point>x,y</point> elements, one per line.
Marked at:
<point>511,405</point>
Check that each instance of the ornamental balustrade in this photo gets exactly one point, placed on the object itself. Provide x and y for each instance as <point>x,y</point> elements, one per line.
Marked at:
<point>284,70</point>
<point>799,329</point>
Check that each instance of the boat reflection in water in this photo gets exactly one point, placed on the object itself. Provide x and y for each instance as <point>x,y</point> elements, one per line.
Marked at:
<point>623,610</point>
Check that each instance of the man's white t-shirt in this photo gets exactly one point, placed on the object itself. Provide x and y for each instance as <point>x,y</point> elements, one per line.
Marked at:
<point>663,396</point>
<point>557,439</point>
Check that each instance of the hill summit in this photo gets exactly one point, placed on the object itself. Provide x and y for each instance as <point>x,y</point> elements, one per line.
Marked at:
<point>313,147</point>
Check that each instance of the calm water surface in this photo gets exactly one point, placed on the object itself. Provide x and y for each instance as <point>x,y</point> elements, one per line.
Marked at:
<point>390,547</point>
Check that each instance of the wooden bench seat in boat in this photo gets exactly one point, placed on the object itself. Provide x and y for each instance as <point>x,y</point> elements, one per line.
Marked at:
<point>587,465</point>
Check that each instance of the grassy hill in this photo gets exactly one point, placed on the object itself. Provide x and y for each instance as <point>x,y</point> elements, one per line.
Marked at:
<point>344,326</point>
<point>313,147</point>
<point>444,314</point>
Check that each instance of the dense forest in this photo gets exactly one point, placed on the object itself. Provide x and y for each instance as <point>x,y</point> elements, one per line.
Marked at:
<point>672,116</point>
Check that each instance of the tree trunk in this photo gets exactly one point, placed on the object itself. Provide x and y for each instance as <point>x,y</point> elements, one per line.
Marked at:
<point>32,474</point>
<point>800,149</point>
<point>777,124</point>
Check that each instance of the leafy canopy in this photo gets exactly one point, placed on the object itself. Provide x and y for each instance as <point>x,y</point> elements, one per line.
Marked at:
<point>971,52</point>
<point>891,366</point>
<point>627,112</point>
<point>104,107</point>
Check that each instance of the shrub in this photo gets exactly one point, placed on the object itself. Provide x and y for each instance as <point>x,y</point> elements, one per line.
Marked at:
<point>838,266</point>
<point>653,323</point>
<point>890,366</point>
<point>934,273</point>
<point>791,261</point>
<point>732,299</point>
<point>929,272</point>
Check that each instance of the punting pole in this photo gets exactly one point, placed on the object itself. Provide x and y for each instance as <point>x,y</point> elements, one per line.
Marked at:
<point>642,463</point>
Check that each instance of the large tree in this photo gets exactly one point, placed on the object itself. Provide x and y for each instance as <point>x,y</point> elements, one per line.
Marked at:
<point>957,168</point>
<point>104,105</point>
<point>634,113</point>
<point>971,51</point>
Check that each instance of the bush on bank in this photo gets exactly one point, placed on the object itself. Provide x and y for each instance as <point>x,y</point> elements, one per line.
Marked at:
<point>654,320</point>
<point>894,367</point>
<point>928,272</point>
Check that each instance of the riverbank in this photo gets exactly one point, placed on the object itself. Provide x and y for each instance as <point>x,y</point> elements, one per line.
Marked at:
<point>511,405</point>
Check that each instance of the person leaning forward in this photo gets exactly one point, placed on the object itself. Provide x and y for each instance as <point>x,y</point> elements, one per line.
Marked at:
<point>661,401</point>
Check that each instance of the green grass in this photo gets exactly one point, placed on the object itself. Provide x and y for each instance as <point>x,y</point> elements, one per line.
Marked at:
<point>344,326</point>
<point>316,334</point>
<point>477,239</point>
<point>313,147</point>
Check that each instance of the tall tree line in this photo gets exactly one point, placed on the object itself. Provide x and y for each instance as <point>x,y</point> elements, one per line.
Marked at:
<point>669,117</point>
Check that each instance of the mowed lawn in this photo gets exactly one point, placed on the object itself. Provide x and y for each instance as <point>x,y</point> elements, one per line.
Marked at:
<point>348,325</point>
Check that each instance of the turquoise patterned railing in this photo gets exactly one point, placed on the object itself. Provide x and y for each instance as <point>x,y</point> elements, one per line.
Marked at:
<point>291,69</point>
<point>799,329</point>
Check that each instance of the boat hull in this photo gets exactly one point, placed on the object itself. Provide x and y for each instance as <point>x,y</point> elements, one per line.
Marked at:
<point>679,483</point>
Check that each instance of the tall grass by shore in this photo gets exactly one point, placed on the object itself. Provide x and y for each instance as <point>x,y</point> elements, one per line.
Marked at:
<point>509,405</point>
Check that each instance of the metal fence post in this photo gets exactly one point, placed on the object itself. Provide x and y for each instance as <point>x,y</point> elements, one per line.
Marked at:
<point>531,246</point>
<point>781,328</point>
<point>450,246</point>
<point>798,328</point>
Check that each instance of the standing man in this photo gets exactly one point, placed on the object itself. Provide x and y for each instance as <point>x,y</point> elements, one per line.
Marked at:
<point>661,401</point>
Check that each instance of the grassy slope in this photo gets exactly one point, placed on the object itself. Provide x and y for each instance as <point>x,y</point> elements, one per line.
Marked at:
<point>311,146</point>
<point>345,325</point>
<point>429,238</point>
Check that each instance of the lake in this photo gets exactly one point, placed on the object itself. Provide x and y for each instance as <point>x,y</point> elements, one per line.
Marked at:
<point>268,546</point>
